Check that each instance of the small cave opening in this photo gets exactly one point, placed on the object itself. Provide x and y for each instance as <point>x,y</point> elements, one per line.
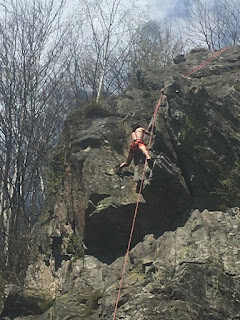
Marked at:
<point>107,234</point>
<point>90,142</point>
<point>20,304</point>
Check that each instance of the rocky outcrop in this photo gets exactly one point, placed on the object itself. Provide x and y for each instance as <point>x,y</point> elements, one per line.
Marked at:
<point>19,301</point>
<point>190,273</point>
<point>182,265</point>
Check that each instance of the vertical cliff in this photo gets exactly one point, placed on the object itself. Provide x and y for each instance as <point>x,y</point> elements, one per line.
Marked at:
<point>184,265</point>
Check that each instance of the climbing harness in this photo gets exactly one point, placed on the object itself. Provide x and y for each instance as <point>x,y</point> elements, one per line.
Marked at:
<point>134,146</point>
<point>200,66</point>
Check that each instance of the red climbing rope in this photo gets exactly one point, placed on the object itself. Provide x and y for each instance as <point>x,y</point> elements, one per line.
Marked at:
<point>143,175</point>
<point>154,120</point>
<point>204,63</point>
<point>136,210</point>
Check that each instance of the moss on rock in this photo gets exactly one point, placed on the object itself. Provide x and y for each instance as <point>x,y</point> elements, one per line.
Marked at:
<point>93,109</point>
<point>92,302</point>
<point>230,190</point>
<point>75,246</point>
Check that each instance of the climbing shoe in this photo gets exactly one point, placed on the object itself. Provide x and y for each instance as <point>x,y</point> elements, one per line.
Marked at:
<point>118,170</point>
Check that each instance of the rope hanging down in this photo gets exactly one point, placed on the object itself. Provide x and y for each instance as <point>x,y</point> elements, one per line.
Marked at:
<point>200,66</point>
<point>204,63</point>
<point>136,210</point>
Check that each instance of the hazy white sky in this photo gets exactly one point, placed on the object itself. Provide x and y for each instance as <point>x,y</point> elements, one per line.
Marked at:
<point>159,9</point>
<point>165,8</point>
<point>170,8</point>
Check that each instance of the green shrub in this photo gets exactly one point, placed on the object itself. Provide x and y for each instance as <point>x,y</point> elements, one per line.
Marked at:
<point>93,109</point>
<point>75,246</point>
<point>198,49</point>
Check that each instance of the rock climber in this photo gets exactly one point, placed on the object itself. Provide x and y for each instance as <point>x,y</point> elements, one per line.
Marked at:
<point>137,145</point>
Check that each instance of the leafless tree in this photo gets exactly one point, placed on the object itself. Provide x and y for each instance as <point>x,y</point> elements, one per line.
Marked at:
<point>155,45</point>
<point>105,38</point>
<point>232,8</point>
<point>215,23</point>
<point>31,110</point>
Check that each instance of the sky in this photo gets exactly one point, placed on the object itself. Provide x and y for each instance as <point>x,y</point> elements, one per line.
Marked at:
<point>166,8</point>
<point>170,8</point>
<point>160,9</point>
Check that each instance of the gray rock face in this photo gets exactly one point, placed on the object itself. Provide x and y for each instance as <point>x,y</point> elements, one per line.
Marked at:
<point>190,273</point>
<point>181,266</point>
<point>196,147</point>
<point>20,301</point>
